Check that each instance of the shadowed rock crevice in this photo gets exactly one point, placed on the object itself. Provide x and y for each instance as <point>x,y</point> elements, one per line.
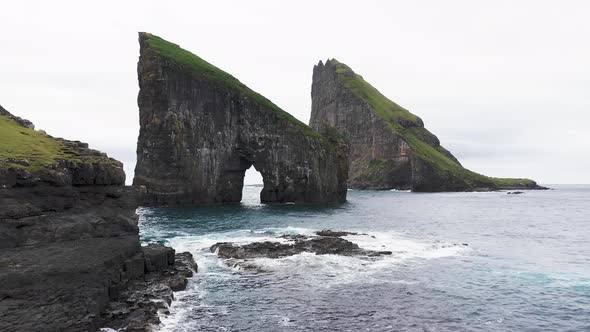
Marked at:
<point>200,129</point>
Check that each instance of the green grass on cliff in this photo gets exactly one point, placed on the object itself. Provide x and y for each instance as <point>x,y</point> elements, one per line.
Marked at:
<point>202,68</point>
<point>512,182</point>
<point>38,149</point>
<point>22,143</point>
<point>398,117</point>
<point>392,113</point>
<point>443,163</point>
<point>384,107</point>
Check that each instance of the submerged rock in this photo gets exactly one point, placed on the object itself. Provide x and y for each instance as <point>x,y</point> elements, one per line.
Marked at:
<point>201,129</point>
<point>321,245</point>
<point>389,147</point>
<point>515,193</point>
<point>328,232</point>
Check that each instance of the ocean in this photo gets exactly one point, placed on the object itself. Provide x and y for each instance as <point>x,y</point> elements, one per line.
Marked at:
<point>460,262</point>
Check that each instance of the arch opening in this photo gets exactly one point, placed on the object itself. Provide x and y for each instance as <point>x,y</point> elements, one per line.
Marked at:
<point>253,184</point>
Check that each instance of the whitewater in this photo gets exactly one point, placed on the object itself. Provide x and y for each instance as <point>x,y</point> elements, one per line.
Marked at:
<point>459,262</point>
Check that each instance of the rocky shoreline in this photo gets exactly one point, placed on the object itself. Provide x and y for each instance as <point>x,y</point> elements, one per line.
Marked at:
<point>70,255</point>
<point>150,291</point>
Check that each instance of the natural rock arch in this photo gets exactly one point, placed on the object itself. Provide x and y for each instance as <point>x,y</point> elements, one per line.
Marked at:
<point>201,129</point>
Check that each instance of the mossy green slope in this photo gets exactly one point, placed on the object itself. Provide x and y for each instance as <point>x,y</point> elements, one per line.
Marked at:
<point>411,128</point>
<point>201,68</point>
<point>28,149</point>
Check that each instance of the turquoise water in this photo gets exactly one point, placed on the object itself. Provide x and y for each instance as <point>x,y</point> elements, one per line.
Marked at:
<point>526,265</point>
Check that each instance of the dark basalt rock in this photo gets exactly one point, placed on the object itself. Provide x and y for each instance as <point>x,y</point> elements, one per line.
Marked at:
<point>328,232</point>
<point>136,306</point>
<point>69,239</point>
<point>157,257</point>
<point>389,147</point>
<point>322,245</point>
<point>515,193</point>
<point>201,129</point>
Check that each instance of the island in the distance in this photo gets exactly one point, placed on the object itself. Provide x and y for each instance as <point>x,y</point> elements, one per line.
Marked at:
<point>389,146</point>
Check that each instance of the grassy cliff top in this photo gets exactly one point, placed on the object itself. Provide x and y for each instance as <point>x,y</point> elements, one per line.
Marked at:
<point>410,127</point>
<point>202,68</point>
<point>26,148</point>
<point>384,107</point>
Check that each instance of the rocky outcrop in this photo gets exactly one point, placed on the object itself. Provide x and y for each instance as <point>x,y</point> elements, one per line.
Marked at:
<point>201,129</point>
<point>331,244</point>
<point>69,239</point>
<point>156,273</point>
<point>389,146</point>
<point>331,233</point>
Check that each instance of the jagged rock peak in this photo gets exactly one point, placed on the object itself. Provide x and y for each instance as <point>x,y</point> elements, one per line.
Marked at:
<point>201,128</point>
<point>390,148</point>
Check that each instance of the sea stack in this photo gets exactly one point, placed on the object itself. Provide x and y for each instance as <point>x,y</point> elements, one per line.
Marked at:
<point>201,129</point>
<point>389,147</point>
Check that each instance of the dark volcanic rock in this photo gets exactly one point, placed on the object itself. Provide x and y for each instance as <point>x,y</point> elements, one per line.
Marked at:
<point>157,257</point>
<point>322,245</point>
<point>328,232</point>
<point>389,147</point>
<point>61,286</point>
<point>69,239</point>
<point>201,129</point>
<point>136,306</point>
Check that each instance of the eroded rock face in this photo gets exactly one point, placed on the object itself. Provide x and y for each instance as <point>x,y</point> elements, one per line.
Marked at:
<point>135,305</point>
<point>200,129</point>
<point>389,146</point>
<point>69,239</point>
<point>371,140</point>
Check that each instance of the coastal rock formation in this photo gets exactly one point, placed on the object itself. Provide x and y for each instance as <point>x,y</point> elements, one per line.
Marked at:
<point>389,146</point>
<point>201,129</point>
<point>332,244</point>
<point>159,273</point>
<point>69,239</point>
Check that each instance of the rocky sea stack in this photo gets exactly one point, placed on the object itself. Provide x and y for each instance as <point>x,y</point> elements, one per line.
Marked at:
<point>201,129</point>
<point>389,146</point>
<point>69,243</point>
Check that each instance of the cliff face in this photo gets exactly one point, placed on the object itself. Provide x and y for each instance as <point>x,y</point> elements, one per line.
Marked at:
<point>69,239</point>
<point>389,146</point>
<point>67,225</point>
<point>200,129</point>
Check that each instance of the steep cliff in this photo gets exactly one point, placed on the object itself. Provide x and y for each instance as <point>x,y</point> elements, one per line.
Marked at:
<point>69,239</point>
<point>201,129</point>
<point>389,146</point>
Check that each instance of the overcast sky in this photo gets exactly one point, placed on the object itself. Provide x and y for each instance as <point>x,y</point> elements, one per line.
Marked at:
<point>505,85</point>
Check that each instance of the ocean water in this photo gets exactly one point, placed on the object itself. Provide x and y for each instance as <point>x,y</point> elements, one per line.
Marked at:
<point>460,262</point>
